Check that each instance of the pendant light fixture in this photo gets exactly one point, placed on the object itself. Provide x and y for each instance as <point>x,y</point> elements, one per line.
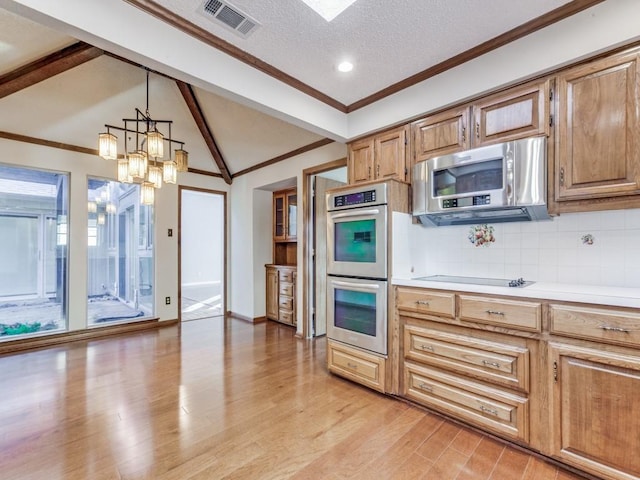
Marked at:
<point>145,162</point>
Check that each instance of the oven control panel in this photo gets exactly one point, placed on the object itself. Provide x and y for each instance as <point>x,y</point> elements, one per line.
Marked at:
<point>373,195</point>
<point>357,198</point>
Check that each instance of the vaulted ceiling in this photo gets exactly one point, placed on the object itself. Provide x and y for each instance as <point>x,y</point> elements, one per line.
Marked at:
<point>85,79</point>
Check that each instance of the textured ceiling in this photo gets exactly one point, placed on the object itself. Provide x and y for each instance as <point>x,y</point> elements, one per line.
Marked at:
<point>387,40</point>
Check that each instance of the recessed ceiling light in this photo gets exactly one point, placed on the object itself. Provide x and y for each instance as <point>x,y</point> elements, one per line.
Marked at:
<point>329,9</point>
<point>345,66</point>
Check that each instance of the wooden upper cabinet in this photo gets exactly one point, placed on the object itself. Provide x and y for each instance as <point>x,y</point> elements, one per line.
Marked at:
<point>285,204</point>
<point>597,152</point>
<point>379,157</point>
<point>519,112</point>
<point>390,155</point>
<point>516,113</point>
<point>279,225</point>
<point>441,134</point>
<point>360,165</point>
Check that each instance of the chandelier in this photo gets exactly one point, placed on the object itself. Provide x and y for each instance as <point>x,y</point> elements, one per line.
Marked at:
<point>145,161</point>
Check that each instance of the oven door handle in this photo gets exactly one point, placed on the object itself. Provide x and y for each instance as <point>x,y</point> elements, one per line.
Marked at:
<point>356,286</point>
<point>362,213</point>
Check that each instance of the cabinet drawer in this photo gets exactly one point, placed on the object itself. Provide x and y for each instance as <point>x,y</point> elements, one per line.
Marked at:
<point>514,314</point>
<point>286,276</point>
<point>285,316</point>
<point>416,300</point>
<point>285,303</point>
<point>495,410</point>
<point>505,365</point>
<point>361,367</point>
<point>611,326</point>
<point>286,289</point>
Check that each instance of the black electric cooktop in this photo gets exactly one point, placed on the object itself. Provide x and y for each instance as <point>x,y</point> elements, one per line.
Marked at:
<point>493,282</point>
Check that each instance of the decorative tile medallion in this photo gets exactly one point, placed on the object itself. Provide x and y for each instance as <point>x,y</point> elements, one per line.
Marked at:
<point>481,235</point>
<point>588,239</point>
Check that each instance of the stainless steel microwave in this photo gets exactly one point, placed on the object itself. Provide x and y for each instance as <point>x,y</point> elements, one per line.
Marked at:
<point>505,182</point>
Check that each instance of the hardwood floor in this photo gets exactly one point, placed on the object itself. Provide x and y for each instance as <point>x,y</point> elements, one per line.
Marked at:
<point>224,399</point>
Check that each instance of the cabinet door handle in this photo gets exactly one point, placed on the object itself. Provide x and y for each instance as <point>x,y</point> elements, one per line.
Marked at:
<point>495,312</point>
<point>555,372</point>
<point>562,176</point>
<point>377,170</point>
<point>464,134</point>
<point>426,347</point>
<point>369,174</point>
<point>352,365</point>
<point>488,410</point>
<point>608,328</point>
<point>477,130</point>
<point>422,302</point>
<point>425,387</point>
<point>490,364</point>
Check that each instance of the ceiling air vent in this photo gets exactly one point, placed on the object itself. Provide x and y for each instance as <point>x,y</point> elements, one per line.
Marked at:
<point>229,17</point>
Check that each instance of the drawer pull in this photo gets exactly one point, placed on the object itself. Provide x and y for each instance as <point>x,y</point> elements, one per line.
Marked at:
<point>422,302</point>
<point>490,364</point>
<point>425,387</point>
<point>495,312</point>
<point>607,328</point>
<point>352,365</point>
<point>489,410</point>
<point>426,347</point>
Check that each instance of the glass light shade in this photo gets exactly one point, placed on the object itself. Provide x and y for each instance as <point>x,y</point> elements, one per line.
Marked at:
<point>154,175</point>
<point>182,160</point>
<point>147,193</point>
<point>137,164</point>
<point>155,144</point>
<point>170,172</point>
<point>108,146</point>
<point>123,171</point>
<point>111,208</point>
<point>92,207</point>
<point>101,219</point>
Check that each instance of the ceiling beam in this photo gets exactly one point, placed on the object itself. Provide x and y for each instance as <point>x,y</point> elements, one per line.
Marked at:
<point>194,107</point>
<point>285,156</point>
<point>46,67</point>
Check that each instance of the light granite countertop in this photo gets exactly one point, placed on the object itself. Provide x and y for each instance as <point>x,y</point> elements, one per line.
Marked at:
<point>613,296</point>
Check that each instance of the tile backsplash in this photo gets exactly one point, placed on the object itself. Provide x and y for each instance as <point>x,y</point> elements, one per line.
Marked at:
<point>592,248</point>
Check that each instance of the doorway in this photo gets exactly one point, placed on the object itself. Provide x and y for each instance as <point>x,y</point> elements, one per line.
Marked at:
<point>202,253</point>
<point>316,182</point>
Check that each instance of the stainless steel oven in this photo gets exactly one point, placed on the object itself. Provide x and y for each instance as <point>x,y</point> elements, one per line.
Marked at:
<point>357,232</point>
<point>357,312</point>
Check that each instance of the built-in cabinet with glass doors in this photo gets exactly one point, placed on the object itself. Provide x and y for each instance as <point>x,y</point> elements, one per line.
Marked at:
<point>282,272</point>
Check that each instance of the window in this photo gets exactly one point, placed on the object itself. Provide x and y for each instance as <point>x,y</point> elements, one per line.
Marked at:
<point>33,251</point>
<point>120,253</point>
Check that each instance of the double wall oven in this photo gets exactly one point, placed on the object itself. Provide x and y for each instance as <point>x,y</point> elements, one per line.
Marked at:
<point>357,266</point>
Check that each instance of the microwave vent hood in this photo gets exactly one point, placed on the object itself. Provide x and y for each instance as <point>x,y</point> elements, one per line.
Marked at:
<point>505,182</point>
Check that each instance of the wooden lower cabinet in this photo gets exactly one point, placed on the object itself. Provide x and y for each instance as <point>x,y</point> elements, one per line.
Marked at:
<point>560,378</point>
<point>494,409</point>
<point>357,365</point>
<point>281,293</point>
<point>482,378</point>
<point>595,409</point>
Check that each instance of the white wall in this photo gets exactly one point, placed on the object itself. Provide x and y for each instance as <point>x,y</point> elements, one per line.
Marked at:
<point>545,251</point>
<point>251,228</point>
